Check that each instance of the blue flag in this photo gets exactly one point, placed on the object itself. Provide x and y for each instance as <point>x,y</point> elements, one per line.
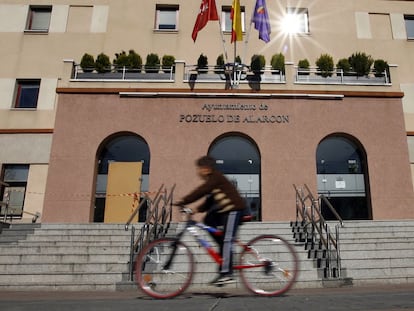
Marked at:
<point>261,20</point>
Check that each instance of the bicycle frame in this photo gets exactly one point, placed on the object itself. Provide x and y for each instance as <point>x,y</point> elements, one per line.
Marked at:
<point>268,264</point>
<point>192,227</point>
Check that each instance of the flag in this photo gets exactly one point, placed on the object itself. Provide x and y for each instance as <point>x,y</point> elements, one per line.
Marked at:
<point>235,15</point>
<point>261,20</point>
<point>208,12</point>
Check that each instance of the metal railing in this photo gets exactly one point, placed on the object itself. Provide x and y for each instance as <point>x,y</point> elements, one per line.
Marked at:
<point>157,221</point>
<point>4,205</point>
<point>317,233</point>
<point>232,73</point>
<point>339,76</point>
<point>125,73</point>
<point>8,212</point>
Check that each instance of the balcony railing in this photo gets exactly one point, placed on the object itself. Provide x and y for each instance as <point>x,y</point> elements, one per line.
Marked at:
<point>231,75</point>
<point>124,73</point>
<point>338,76</point>
<point>236,73</point>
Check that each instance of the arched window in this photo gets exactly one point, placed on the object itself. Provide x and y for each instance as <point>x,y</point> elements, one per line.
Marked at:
<point>343,177</point>
<point>125,147</point>
<point>238,158</point>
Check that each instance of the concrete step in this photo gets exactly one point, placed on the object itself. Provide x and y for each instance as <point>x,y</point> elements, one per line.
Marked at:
<point>96,256</point>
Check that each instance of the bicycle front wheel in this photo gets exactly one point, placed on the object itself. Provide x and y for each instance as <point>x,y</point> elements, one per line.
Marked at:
<point>164,268</point>
<point>270,265</point>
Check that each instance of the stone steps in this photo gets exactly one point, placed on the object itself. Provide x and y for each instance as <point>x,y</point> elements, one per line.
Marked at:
<point>96,256</point>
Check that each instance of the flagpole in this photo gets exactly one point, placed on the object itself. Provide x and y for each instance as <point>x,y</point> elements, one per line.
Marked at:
<point>223,43</point>
<point>247,40</point>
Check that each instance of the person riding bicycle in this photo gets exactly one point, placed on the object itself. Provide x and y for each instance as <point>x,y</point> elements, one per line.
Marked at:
<point>224,207</point>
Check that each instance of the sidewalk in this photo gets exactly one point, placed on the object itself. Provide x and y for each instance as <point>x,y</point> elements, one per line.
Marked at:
<point>392,297</point>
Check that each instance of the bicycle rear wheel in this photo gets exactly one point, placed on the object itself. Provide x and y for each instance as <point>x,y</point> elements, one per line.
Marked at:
<point>271,265</point>
<point>164,268</point>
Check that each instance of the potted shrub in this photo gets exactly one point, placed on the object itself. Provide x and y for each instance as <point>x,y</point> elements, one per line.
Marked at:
<point>135,61</point>
<point>219,68</point>
<point>343,64</point>
<point>325,65</point>
<point>121,60</point>
<point>87,63</point>
<point>303,66</point>
<point>257,63</point>
<point>380,66</point>
<point>361,63</point>
<point>202,64</point>
<point>152,64</point>
<point>278,63</point>
<point>168,62</point>
<point>102,63</point>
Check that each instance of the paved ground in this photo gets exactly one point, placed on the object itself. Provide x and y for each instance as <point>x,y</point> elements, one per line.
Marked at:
<point>366,298</point>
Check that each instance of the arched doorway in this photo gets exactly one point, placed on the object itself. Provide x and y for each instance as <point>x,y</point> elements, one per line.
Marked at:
<point>342,175</point>
<point>238,158</point>
<point>121,147</point>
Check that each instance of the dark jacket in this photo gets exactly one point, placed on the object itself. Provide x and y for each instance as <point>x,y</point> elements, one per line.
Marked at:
<point>225,194</point>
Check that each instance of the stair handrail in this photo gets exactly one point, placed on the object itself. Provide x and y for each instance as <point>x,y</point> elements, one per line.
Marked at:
<point>137,209</point>
<point>157,221</point>
<point>311,215</point>
<point>6,202</point>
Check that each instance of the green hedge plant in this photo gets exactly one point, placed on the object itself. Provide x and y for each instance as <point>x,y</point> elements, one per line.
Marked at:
<point>325,65</point>
<point>135,61</point>
<point>278,63</point>
<point>152,64</point>
<point>202,64</point>
<point>87,63</point>
<point>361,63</point>
<point>121,60</point>
<point>381,66</point>
<point>102,63</point>
<point>343,64</point>
<point>303,66</point>
<point>168,62</point>
<point>257,63</point>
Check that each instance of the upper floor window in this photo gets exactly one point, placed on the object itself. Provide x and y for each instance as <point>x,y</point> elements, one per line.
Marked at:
<point>226,22</point>
<point>38,18</point>
<point>296,21</point>
<point>409,26</point>
<point>27,93</point>
<point>166,17</point>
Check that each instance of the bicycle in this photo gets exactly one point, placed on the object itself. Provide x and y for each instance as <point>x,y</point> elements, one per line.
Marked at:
<point>268,264</point>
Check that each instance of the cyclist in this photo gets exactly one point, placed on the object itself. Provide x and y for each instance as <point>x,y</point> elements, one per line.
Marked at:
<point>224,207</point>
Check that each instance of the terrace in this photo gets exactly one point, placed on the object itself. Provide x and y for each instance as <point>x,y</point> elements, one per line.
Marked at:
<point>182,75</point>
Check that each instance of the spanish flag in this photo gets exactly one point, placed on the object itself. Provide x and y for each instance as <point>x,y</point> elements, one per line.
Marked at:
<point>236,30</point>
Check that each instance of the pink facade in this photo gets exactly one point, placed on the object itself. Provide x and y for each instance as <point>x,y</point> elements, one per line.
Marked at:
<point>178,129</point>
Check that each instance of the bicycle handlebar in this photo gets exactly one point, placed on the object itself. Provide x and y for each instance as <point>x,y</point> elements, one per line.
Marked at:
<point>184,209</point>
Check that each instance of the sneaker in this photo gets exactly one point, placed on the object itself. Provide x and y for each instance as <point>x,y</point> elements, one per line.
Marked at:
<point>213,282</point>
<point>223,280</point>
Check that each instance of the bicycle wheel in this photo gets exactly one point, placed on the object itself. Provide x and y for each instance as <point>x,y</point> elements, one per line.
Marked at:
<point>164,268</point>
<point>270,265</point>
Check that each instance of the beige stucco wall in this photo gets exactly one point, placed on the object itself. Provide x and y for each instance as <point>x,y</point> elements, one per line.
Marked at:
<point>371,26</point>
<point>35,192</point>
<point>287,150</point>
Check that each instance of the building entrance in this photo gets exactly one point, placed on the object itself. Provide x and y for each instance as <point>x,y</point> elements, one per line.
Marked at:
<point>121,147</point>
<point>238,158</point>
<point>342,177</point>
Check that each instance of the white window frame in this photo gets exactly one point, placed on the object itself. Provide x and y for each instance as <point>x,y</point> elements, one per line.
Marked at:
<point>38,18</point>
<point>166,12</point>
<point>301,15</point>
<point>409,26</point>
<point>226,23</point>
